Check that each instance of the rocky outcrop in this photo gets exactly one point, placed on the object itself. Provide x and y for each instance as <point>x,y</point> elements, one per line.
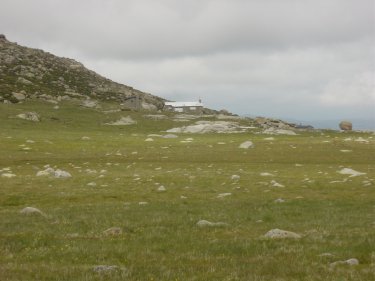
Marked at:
<point>346,125</point>
<point>27,73</point>
<point>202,127</point>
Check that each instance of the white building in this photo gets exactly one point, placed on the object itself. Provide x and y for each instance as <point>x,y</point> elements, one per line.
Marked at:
<point>185,107</point>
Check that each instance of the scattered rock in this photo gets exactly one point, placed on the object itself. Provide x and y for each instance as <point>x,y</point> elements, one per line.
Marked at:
<point>149,139</point>
<point>8,175</point>
<point>105,268</point>
<point>279,200</point>
<point>281,234</point>
<point>350,172</point>
<point>113,231</point>
<point>360,139</point>
<point>53,173</point>
<point>274,131</point>
<point>155,116</point>
<point>346,125</point>
<point>32,211</point>
<point>31,116</point>
<point>89,103</point>
<point>235,177</point>
<point>62,174</point>
<point>246,145</point>
<point>276,184</point>
<point>46,172</point>
<point>162,188</point>
<point>265,174</point>
<point>222,195</point>
<point>19,96</point>
<point>346,262</point>
<point>205,223</point>
<point>170,136</point>
<point>326,255</point>
<point>24,81</point>
<point>123,121</point>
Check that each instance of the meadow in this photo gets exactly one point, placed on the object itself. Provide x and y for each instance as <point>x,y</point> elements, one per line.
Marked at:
<point>116,182</point>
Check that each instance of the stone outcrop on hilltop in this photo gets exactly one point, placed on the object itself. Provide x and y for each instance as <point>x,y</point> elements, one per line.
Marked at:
<point>27,73</point>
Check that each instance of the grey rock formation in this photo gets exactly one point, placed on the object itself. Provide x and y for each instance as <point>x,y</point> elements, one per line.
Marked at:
<point>42,74</point>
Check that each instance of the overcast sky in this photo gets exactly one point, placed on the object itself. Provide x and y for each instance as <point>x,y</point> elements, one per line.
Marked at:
<point>301,59</point>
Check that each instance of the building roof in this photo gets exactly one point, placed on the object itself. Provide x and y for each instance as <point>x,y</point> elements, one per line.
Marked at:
<point>184,104</point>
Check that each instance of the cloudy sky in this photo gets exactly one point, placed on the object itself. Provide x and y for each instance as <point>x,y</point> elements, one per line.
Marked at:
<point>300,59</point>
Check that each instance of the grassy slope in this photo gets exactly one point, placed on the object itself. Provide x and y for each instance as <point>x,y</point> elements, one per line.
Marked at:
<point>161,240</point>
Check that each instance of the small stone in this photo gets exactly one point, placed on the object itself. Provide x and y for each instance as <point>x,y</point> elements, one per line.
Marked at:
<point>91,184</point>
<point>235,177</point>
<point>149,139</point>
<point>113,231</point>
<point>276,184</point>
<point>267,174</point>
<point>89,103</point>
<point>8,175</point>
<point>222,195</point>
<point>62,174</point>
<point>105,268</point>
<point>161,188</point>
<point>205,223</point>
<point>350,262</point>
<point>279,200</point>
<point>46,172</point>
<point>281,234</point>
<point>350,172</point>
<point>246,145</point>
<point>19,96</point>
<point>170,136</point>
<point>31,116</point>
<point>31,211</point>
<point>326,255</point>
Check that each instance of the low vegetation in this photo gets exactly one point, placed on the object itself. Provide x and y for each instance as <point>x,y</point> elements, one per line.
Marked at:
<point>130,209</point>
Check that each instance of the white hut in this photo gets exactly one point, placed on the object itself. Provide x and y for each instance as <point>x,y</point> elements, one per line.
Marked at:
<point>184,107</point>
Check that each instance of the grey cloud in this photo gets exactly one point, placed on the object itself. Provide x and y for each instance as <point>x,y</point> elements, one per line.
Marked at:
<point>153,29</point>
<point>267,57</point>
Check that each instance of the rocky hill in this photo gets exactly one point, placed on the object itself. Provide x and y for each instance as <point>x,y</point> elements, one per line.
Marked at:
<point>27,73</point>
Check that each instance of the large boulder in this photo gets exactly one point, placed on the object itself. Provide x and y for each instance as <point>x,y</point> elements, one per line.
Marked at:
<point>346,125</point>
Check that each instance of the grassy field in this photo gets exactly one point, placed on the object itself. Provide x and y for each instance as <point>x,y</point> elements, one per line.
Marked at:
<point>115,179</point>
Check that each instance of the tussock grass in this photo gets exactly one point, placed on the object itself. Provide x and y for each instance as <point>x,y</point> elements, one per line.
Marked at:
<point>160,240</point>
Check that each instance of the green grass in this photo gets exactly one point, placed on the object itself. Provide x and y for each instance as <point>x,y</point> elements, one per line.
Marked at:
<point>160,240</point>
